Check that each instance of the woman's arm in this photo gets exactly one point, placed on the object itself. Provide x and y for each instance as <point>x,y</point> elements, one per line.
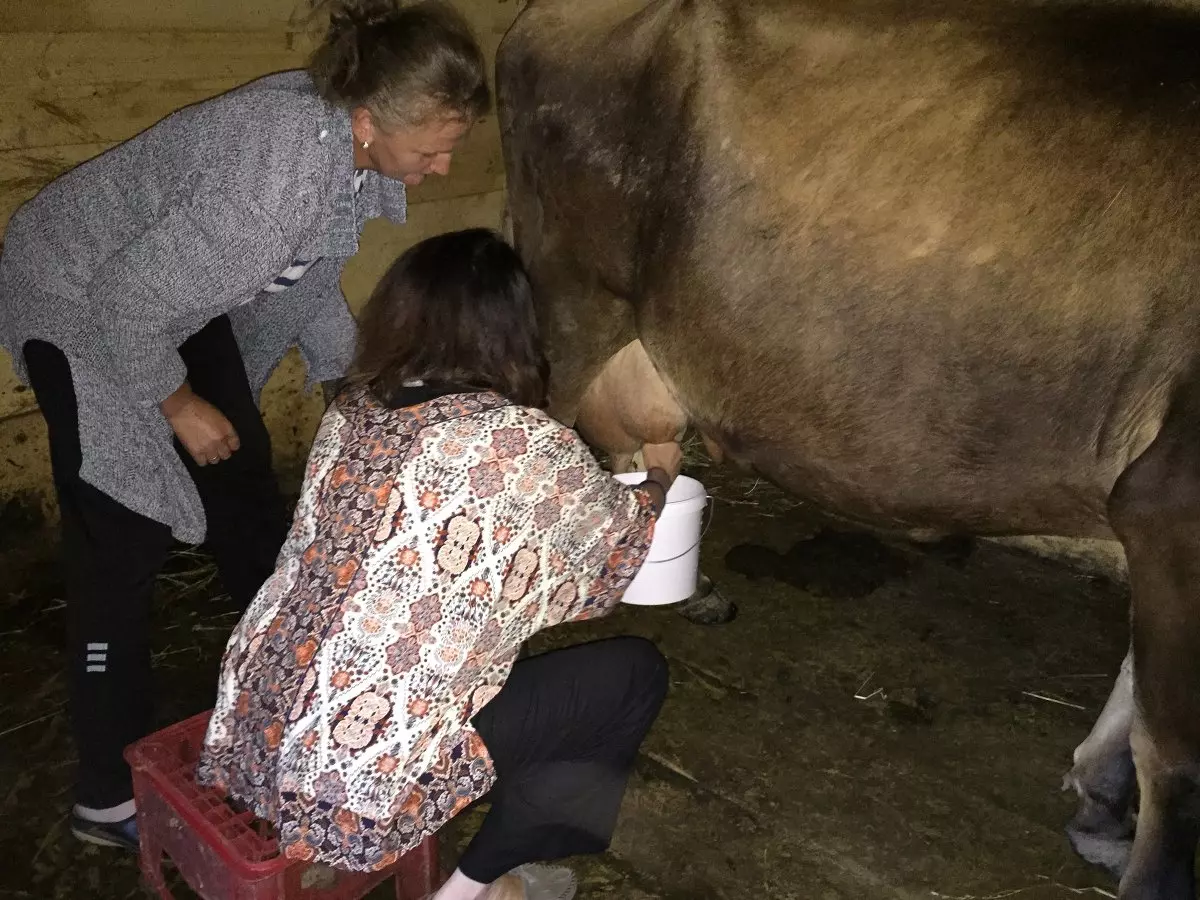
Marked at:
<point>328,336</point>
<point>656,485</point>
<point>203,430</point>
<point>663,462</point>
<point>312,315</point>
<point>227,231</point>
<point>166,284</point>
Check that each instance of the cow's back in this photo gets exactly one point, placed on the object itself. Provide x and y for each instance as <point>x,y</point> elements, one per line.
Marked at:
<point>924,262</point>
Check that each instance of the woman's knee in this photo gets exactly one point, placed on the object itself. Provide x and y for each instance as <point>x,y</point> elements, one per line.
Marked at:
<point>647,667</point>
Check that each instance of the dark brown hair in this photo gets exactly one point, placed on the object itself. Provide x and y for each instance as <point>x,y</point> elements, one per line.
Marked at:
<point>407,65</point>
<point>454,309</point>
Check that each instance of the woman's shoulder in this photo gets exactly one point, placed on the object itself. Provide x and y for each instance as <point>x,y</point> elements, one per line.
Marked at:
<point>279,114</point>
<point>290,91</point>
<point>488,417</point>
<point>537,421</point>
<point>481,417</point>
<point>277,123</point>
<point>532,415</point>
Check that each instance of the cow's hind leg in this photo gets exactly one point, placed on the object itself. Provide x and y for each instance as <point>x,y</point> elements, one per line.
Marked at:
<point>1155,510</point>
<point>1103,777</point>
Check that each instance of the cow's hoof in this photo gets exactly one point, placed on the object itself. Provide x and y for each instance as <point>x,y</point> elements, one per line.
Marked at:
<point>708,606</point>
<point>954,550</point>
<point>1100,836</point>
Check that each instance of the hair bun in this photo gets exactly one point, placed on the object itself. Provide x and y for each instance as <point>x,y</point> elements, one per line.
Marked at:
<point>404,60</point>
<point>354,14</point>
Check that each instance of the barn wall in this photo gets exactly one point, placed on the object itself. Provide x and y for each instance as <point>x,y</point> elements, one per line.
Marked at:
<point>77,76</point>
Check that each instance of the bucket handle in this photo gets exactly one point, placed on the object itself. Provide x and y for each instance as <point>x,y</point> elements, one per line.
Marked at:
<point>708,506</point>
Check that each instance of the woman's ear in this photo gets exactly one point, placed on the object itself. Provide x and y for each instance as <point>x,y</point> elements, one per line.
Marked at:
<point>362,123</point>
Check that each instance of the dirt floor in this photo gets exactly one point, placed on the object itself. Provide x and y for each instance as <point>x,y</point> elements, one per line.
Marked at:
<point>871,726</point>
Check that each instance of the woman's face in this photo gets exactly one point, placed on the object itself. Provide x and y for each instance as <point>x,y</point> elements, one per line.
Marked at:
<point>407,154</point>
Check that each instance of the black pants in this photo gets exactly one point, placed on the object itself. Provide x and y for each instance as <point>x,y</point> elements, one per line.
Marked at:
<point>113,555</point>
<point>563,733</point>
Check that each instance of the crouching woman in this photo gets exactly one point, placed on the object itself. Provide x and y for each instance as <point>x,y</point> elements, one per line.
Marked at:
<point>371,692</point>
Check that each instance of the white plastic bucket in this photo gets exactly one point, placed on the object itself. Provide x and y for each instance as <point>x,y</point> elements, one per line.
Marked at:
<point>672,567</point>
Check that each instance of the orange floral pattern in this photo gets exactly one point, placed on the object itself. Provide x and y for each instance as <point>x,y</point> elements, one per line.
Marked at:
<point>428,544</point>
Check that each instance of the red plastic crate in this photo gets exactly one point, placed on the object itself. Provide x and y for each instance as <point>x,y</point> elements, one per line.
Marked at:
<point>224,854</point>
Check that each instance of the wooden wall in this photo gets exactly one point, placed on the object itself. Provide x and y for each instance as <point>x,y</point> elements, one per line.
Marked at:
<point>77,76</point>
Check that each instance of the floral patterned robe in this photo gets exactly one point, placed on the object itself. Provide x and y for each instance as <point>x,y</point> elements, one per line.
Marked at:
<point>427,545</point>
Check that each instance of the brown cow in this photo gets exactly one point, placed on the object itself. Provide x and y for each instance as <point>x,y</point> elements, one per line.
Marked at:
<point>931,264</point>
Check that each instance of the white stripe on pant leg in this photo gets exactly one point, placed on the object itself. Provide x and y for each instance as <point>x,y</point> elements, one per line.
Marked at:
<point>92,647</point>
<point>97,657</point>
<point>97,668</point>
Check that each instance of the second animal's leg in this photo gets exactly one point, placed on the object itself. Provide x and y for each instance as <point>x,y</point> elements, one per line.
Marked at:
<point>1155,511</point>
<point>1104,779</point>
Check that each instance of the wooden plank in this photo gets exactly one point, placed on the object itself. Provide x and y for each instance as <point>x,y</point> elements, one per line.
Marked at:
<point>140,15</point>
<point>66,97</point>
<point>35,61</point>
<point>71,87</point>
<point>15,398</point>
<point>73,114</point>
<point>32,64</point>
<point>203,15</point>
<point>85,106</point>
<point>59,46</point>
<point>25,464</point>
<point>24,172</point>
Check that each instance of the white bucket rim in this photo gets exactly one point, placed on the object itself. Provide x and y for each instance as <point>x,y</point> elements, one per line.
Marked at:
<point>686,494</point>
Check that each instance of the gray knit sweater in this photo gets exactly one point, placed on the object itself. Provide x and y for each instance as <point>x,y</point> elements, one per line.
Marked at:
<point>120,260</point>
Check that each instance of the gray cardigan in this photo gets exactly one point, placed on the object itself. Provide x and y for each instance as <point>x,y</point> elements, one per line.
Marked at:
<point>120,260</point>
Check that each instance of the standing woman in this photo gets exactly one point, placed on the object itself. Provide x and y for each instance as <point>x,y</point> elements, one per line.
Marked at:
<point>147,295</point>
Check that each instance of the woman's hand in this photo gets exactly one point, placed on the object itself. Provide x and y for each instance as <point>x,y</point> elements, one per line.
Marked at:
<point>203,430</point>
<point>662,462</point>
<point>668,457</point>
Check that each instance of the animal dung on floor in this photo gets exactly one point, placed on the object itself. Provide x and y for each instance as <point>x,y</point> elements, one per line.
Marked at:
<point>840,566</point>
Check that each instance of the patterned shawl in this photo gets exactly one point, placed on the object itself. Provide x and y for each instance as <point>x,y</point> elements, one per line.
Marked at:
<point>428,544</point>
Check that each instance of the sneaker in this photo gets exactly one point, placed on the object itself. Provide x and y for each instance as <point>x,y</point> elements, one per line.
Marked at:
<point>122,834</point>
<point>506,887</point>
<point>542,882</point>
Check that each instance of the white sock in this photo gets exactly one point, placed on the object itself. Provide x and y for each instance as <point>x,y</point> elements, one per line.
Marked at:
<point>460,887</point>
